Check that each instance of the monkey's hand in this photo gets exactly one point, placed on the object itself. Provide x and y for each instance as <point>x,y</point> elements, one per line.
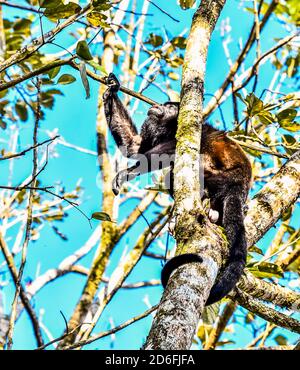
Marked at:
<point>122,177</point>
<point>113,83</point>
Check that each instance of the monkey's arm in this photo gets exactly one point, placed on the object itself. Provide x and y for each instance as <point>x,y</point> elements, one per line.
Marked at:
<point>159,157</point>
<point>121,126</point>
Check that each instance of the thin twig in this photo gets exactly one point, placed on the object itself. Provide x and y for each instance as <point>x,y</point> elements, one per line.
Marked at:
<point>163,11</point>
<point>28,227</point>
<point>70,62</point>
<point>112,331</point>
<point>46,190</point>
<point>132,12</point>
<point>279,45</point>
<point>25,300</point>
<point>257,38</point>
<point>30,49</point>
<point>211,106</point>
<point>23,152</point>
<point>260,149</point>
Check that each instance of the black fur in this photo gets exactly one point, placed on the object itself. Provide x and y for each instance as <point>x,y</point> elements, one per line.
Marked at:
<point>227,176</point>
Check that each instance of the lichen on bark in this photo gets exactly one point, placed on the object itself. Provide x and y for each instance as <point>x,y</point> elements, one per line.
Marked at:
<point>188,289</point>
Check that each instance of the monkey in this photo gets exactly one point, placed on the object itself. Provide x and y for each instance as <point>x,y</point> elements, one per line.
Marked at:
<point>227,176</point>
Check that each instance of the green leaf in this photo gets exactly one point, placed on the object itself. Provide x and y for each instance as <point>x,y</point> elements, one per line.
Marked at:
<point>85,82</point>
<point>61,11</point>
<point>293,126</point>
<point>286,116</point>
<point>289,139</point>
<point>255,249</point>
<point>286,120</point>
<point>47,100</point>
<point>287,214</point>
<point>266,117</point>
<point>21,111</point>
<point>66,79</point>
<point>83,51</point>
<point>154,40</point>
<point>50,3</point>
<point>54,92</point>
<point>21,196</point>
<point>250,317</point>
<point>281,340</point>
<point>3,93</point>
<point>186,4</point>
<point>266,270</point>
<point>254,105</point>
<point>97,19</point>
<point>23,25</point>
<point>179,42</point>
<point>53,72</point>
<point>240,97</point>
<point>101,5</point>
<point>101,216</point>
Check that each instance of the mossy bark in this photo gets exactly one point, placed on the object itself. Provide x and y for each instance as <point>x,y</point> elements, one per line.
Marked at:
<point>188,289</point>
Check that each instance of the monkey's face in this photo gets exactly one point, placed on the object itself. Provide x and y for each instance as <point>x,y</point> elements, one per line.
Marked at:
<point>156,111</point>
<point>165,112</point>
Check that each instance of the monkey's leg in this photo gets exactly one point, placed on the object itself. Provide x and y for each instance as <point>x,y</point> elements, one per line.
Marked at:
<point>121,126</point>
<point>159,157</point>
<point>233,224</point>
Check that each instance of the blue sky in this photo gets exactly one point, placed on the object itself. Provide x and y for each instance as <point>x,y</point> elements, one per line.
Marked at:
<point>74,116</point>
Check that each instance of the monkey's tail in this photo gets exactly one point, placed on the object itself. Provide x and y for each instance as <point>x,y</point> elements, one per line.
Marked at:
<point>233,224</point>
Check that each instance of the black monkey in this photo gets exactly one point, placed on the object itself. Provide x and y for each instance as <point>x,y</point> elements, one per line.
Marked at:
<point>227,176</point>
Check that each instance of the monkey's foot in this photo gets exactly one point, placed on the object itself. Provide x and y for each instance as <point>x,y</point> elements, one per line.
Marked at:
<point>213,215</point>
<point>119,180</point>
<point>116,185</point>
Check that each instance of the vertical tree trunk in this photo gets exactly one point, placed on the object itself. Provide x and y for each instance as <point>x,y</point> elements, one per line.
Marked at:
<point>188,289</point>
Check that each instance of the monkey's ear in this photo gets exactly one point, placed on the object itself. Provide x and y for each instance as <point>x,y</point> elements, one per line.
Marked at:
<point>113,83</point>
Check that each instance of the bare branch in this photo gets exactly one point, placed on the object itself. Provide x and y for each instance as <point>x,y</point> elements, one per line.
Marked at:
<point>220,325</point>
<point>274,293</point>
<point>23,152</point>
<point>28,50</point>
<point>14,273</point>
<point>211,106</point>
<point>112,331</point>
<point>28,228</point>
<point>265,312</point>
<point>276,197</point>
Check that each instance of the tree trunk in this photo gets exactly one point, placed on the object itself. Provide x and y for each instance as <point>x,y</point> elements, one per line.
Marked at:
<point>185,296</point>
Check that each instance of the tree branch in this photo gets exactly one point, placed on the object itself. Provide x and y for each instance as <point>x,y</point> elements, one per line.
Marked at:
<point>213,103</point>
<point>23,152</point>
<point>111,331</point>
<point>265,312</point>
<point>275,198</point>
<point>28,228</point>
<point>220,325</point>
<point>28,50</point>
<point>274,293</point>
<point>25,300</point>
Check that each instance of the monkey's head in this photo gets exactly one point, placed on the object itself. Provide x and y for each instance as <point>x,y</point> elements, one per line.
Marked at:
<point>166,112</point>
